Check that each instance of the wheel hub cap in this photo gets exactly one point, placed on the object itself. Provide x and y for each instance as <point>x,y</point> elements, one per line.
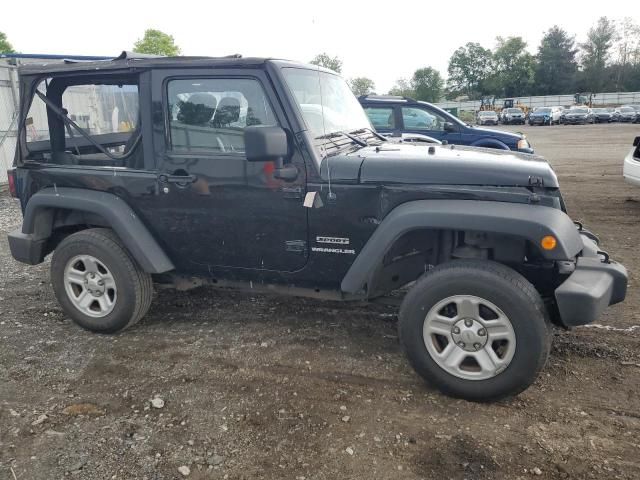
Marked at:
<point>469,334</point>
<point>95,284</point>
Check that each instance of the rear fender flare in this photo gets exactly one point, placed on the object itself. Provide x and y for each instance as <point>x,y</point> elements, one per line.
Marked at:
<point>38,222</point>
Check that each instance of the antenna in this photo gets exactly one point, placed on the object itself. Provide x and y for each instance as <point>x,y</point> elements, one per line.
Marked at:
<point>331,195</point>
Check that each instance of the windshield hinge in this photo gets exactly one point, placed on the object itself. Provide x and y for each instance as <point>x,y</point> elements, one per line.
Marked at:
<point>536,181</point>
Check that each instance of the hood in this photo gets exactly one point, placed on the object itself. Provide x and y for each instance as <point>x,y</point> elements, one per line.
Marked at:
<point>447,165</point>
<point>576,114</point>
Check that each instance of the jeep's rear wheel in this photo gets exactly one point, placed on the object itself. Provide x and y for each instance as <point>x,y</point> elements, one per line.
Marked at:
<point>475,329</point>
<point>97,282</point>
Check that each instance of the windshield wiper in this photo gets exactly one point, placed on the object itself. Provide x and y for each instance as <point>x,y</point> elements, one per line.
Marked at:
<point>373,132</point>
<point>353,138</point>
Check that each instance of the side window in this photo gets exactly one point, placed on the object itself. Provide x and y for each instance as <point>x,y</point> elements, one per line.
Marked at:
<point>418,119</point>
<point>97,109</point>
<point>102,109</point>
<point>107,111</point>
<point>37,128</point>
<point>381,117</point>
<point>211,114</point>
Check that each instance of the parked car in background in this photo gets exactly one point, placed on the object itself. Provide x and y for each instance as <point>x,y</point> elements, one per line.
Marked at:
<point>544,116</point>
<point>636,108</point>
<point>602,115</point>
<point>631,167</point>
<point>625,114</point>
<point>510,116</point>
<point>487,117</point>
<point>393,116</point>
<point>578,116</point>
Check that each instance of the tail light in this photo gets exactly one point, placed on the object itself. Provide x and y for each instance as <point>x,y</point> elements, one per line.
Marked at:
<point>11,174</point>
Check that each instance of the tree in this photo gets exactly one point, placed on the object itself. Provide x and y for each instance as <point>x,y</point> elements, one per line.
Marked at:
<point>5,46</point>
<point>402,88</point>
<point>627,48</point>
<point>596,52</point>
<point>427,84</point>
<point>469,66</point>
<point>513,68</point>
<point>361,86</point>
<point>156,42</point>
<point>324,60</point>
<point>556,66</point>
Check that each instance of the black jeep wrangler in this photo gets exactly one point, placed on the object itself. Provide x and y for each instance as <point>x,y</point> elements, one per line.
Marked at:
<point>266,175</point>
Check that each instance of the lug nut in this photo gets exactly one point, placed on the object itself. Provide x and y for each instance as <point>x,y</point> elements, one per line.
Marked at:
<point>468,322</point>
<point>477,346</point>
<point>482,332</point>
<point>461,344</point>
<point>100,282</point>
<point>456,330</point>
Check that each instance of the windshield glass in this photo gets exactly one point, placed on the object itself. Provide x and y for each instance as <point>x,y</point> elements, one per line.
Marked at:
<point>326,101</point>
<point>627,109</point>
<point>543,110</point>
<point>578,110</point>
<point>514,110</point>
<point>487,114</point>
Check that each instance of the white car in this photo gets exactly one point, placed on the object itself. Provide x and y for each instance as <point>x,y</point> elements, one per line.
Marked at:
<point>556,113</point>
<point>631,169</point>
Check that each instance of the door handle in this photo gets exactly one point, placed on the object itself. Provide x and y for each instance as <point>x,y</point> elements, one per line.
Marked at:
<point>180,179</point>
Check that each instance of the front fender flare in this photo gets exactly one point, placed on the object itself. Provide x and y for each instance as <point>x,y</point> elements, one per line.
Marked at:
<point>113,209</point>
<point>531,222</point>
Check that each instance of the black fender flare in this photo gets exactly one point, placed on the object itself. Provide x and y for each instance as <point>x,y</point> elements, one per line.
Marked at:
<point>531,222</point>
<point>135,236</point>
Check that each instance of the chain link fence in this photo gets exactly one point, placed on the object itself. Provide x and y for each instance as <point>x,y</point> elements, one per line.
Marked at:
<point>614,99</point>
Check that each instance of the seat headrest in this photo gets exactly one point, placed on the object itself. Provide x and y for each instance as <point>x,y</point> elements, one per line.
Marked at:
<point>197,109</point>
<point>228,112</point>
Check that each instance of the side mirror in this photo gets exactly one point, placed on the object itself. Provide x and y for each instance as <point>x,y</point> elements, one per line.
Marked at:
<point>265,144</point>
<point>449,127</point>
<point>269,144</point>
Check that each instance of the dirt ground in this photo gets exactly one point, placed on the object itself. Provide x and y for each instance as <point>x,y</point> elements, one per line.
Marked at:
<point>268,387</point>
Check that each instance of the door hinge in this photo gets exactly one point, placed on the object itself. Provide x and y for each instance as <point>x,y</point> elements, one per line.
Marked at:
<point>296,246</point>
<point>291,192</point>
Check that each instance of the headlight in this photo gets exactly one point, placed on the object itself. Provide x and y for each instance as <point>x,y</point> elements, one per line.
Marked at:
<point>523,143</point>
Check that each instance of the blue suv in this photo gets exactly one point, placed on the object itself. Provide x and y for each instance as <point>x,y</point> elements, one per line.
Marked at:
<point>394,116</point>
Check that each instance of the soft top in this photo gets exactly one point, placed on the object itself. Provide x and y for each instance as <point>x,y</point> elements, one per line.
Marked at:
<point>137,60</point>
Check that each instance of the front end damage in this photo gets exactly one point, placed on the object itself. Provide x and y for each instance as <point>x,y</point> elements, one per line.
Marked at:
<point>594,283</point>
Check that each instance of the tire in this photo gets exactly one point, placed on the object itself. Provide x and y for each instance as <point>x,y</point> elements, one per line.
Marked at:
<point>81,262</point>
<point>500,292</point>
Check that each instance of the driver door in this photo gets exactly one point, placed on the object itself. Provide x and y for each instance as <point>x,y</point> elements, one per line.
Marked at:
<point>216,211</point>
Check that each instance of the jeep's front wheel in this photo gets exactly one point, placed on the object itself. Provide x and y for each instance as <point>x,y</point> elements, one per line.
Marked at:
<point>475,329</point>
<point>97,282</point>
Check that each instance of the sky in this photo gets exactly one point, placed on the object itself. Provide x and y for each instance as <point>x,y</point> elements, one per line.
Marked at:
<point>380,40</point>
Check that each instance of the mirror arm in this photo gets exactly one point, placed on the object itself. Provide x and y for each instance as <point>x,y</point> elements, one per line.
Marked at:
<point>287,172</point>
